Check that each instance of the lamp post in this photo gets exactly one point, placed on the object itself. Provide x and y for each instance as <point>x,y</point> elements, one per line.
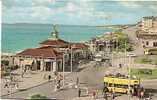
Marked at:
<point>129,75</point>
<point>129,70</point>
<point>63,69</point>
<point>71,60</point>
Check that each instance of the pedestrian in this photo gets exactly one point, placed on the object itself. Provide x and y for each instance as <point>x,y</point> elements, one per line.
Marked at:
<point>149,98</point>
<point>58,82</point>
<point>8,92</point>
<point>25,70</point>
<point>79,92</point>
<point>97,93</point>
<point>120,65</point>
<point>94,94</point>
<point>11,78</point>
<point>105,90</point>
<point>55,89</point>
<point>58,86</point>
<point>49,77</point>
<point>87,92</point>
<point>22,74</point>
<point>138,93</point>
<point>132,92</point>
<point>77,81</point>
<point>112,94</point>
<point>16,85</point>
<point>142,93</point>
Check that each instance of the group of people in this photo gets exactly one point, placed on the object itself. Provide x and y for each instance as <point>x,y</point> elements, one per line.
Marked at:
<point>106,91</point>
<point>95,93</point>
<point>10,84</point>
<point>134,91</point>
<point>58,79</point>
<point>137,91</point>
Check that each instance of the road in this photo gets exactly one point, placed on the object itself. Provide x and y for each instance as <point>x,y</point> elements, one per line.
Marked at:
<point>131,32</point>
<point>89,77</point>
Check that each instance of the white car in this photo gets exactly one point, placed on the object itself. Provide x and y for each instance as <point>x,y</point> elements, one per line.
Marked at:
<point>98,57</point>
<point>131,55</point>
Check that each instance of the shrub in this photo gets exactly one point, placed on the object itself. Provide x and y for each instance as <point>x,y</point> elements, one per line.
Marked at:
<point>5,62</point>
<point>38,96</point>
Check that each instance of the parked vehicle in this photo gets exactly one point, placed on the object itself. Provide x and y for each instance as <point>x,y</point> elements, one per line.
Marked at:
<point>150,51</point>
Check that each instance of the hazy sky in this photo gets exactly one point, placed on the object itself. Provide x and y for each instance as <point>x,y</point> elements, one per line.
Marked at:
<point>76,12</point>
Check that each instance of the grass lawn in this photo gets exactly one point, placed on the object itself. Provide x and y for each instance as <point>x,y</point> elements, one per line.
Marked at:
<point>146,59</point>
<point>145,73</point>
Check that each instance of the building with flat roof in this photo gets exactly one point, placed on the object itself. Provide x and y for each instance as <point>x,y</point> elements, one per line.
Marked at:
<point>149,24</point>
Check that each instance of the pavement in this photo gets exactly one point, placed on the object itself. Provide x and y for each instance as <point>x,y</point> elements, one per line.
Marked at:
<point>29,80</point>
<point>47,88</point>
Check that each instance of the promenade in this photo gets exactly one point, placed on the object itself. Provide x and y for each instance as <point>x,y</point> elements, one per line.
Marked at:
<point>30,80</point>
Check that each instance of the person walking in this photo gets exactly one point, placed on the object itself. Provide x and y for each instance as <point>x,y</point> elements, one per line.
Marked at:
<point>112,94</point>
<point>79,92</point>
<point>142,93</point>
<point>97,93</point>
<point>105,90</point>
<point>16,86</point>
<point>77,82</point>
<point>49,77</point>
<point>132,92</point>
<point>94,94</point>
<point>138,93</point>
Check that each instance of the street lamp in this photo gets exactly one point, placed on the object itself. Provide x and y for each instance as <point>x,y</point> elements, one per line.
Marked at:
<point>63,69</point>
<point>130,55</point>
<point>71,59</point>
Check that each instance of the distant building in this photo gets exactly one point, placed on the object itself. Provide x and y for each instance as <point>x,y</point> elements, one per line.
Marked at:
<point>147,32</point>
<point>106,42</point>
<point>148,40</point>
<point>148,24</point>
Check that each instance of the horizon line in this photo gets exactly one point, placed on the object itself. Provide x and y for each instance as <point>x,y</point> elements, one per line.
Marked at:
<point>70,24</point>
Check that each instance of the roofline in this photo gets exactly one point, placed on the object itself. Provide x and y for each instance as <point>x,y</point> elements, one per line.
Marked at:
<point>35,56</point>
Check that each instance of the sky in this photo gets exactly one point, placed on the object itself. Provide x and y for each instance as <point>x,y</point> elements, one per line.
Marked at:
<point>76,12</point>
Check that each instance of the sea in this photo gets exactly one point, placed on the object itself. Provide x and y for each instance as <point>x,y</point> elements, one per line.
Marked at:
<point>17,37</point>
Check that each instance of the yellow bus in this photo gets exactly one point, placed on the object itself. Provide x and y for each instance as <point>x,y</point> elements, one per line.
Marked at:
<point>120,84</point>
<point>150,51</point>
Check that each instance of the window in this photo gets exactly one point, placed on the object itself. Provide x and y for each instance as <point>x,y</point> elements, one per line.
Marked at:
<point>155,44</point>
<point>110,85</point>
<point>147,43</point>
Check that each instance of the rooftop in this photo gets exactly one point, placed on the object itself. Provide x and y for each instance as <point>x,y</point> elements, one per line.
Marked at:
<point>147,36</point>
<point>43,52</point>
<point>55,43</point>
<point>79,46</point>
<point>150,17</point>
